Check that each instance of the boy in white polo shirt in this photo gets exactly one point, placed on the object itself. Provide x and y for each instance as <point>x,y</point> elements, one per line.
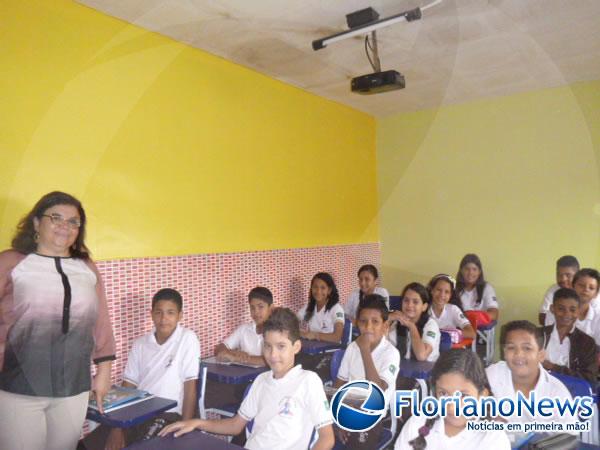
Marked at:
<point>244,345</point>
<point>286,404</point>
<point>522,370</point>
<point>372,357</point>
<point>164,363</point>
<point>566,268</point>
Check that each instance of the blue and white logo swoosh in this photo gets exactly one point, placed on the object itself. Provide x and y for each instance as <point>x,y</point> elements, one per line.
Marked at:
<point>367,415</point>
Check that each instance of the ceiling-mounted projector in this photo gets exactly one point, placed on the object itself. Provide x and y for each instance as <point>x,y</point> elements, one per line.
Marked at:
<point>378,82</point>
<point>367,21</point>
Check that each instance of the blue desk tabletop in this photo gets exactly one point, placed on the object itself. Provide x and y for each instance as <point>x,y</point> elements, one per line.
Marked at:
<point>135,414</point>
<point>232,374</point>
<point>192,441</point>
<point>311,347</point>
<point>415,369</point>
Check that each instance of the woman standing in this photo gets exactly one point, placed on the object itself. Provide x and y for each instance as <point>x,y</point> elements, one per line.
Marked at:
<point>53,321</point>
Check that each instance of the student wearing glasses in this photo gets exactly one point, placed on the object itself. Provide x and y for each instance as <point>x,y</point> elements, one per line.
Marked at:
<point>53,322</point>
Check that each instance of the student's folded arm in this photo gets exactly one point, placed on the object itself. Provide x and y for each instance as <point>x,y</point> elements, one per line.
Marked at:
<point>257,360</point>
<point>231,426</point>
<point>468,332</point>
<point>220,348</point>
<point>188,409</point>
<point>493,313</point>
<point>336,336</point>
<point>421,349</point>
<point>326,439</point>
<point>371,373</point>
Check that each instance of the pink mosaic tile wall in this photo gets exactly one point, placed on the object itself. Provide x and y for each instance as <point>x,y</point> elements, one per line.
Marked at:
<point>214,287</point>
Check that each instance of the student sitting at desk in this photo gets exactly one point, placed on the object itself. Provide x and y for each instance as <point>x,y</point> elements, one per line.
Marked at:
<point>372,357</point>
<point>475,293</point>
<point>286,404</point>
<point>244,345</point>
<point>322,320</point>
<point>522,370</point>
<point>568,349</point>
<point>367,281</point>
<point>566,268</point>
<point>164,363</point>
<point>446,308</point>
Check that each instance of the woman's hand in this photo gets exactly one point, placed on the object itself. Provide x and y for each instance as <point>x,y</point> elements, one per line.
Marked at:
<point>400,317</point>
<point>101,384</point>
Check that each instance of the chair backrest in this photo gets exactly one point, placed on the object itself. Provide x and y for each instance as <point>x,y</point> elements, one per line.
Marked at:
<point>578,387</point>
<point>201,390</point>
<point>347,335</point>
<point>336,360</point>
<point>395,302</point>
<point>445,341</point>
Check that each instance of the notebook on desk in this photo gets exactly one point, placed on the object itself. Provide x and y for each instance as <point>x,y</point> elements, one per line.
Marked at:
<point>213,360</point>
<point>119,397</point>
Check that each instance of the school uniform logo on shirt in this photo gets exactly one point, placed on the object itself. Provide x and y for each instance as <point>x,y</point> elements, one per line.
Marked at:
<point>393,369</point>
<point>339,315</point>
<point>287,406</point>
<point>431,334</point>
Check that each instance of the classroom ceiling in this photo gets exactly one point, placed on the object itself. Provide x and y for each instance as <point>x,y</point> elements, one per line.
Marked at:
<point>459,51</point>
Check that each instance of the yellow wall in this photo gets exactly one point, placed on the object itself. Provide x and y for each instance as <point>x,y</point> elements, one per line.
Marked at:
<point>173,151</point>
<point>513,179</point>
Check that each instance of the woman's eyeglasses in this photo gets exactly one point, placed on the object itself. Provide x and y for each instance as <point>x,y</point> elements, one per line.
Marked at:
<point>59,220</point>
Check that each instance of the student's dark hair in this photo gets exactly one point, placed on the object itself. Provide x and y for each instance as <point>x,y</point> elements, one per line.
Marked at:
<point>464,362</point>
<point>283,319</point>
<point>25,238</point>
<point>168,294</point>
<point>587,272</point>
<point>522,325</point>
<point>567,261</point>
<point>460,281</point>
<point>261,293</point>
<point>564,293</point>
<point>366,268</point>
<point>401,330</point>
<point>454,299</point>
<point>373,301</point>
<point>334,296</point>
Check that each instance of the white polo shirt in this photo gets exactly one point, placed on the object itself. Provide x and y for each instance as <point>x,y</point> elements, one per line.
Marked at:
<point>451,317</point>
<point>323,321</point>
<point>285,410</point>
<point>590,325</point>
<point>488,299</point>
<point>246,339</point>
<point>548,296</point>
<point>431,335</point>
<point>351,306</point>
<point>500,378</point>
<point>162,369</point>
<point>385,357</point>
<point>437,438</point>
<point>557,352</point>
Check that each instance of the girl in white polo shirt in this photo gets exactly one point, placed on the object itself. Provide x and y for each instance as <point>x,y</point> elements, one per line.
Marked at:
<point>446,308</point>
<point>367,281</point>
<point>456,370</point>
<point>474,292</point>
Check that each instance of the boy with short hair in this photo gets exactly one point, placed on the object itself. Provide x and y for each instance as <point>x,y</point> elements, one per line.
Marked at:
<point>566,268</point>
<point>568,349</point>
<point>245,343</point>
<point>286,403</point>
<point>165,363</point>
<point>243,346</point>
<point>372,357</point>
<point>521,370</point>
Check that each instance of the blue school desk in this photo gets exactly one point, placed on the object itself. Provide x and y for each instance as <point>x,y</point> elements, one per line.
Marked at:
<point>311,347</point>
<point>192,441</point>
<point>232,374</point>
<point>415,369</point>
<point>135,414</point>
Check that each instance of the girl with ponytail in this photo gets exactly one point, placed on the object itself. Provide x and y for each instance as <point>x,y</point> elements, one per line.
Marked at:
<point>456,370</point>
